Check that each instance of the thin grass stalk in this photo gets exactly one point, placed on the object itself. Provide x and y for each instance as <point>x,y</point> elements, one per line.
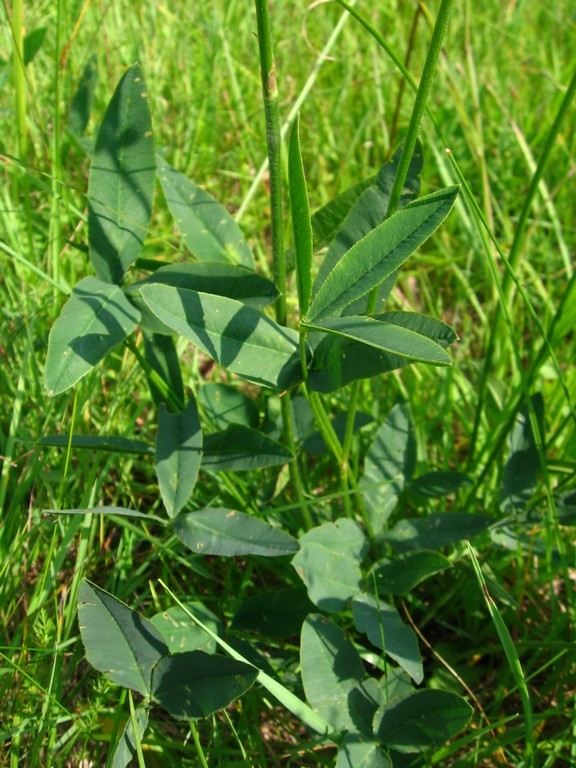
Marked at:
<point>512,658</point>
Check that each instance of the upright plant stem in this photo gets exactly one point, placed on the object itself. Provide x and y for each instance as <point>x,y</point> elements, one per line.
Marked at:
<point>274,145</point>
<point>19,76</point>
<point>418,110</point>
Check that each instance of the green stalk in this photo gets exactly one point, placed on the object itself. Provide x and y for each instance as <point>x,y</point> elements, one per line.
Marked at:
<point>418,111</point>
<point>274,145</point>
<point>55,224</point>
<point>19,76</point>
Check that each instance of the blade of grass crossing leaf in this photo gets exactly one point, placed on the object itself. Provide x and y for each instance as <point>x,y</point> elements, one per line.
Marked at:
<point>295,705</point>
<point>511,656</point>
<point>300,219</point>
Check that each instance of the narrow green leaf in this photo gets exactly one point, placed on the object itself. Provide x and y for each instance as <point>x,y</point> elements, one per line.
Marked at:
<point>315,444</point>
<point>329,563</point>
<point>95,319</point>
<point>229,533</point>
<point>369,210</point>
<point>126,746</point>
<point>209,231</point>
<point>181,633</point>
<point>239,449</point>
<point>390,461</point>
<point>229,280</point>
<point>161,355</point>
<point>331,669</point>
<point>422,720</point>
<point>380,253</point>
<point>338,360</point>
<point>386,337</point>
<point>436,531</point>
<point>118,641</point>
<point>225,405</point>
<point>104,443</point>
<point>301,224</point>
<point>400,574</point>
<point>386,630</point>
<point>121,184</point>
<point>238,337</point>
<point>196,684</point>
<point>178,455</point>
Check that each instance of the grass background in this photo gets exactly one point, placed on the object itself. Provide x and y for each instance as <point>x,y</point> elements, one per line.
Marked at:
<point>503,75</point>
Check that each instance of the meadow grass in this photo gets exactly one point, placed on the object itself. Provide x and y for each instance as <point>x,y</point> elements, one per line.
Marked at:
<point>499,271</point>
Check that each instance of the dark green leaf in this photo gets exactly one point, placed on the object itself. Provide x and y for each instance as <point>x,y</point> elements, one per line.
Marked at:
<point>380,253</point>
<point>126,746</point>
<point>386,337</point>
<point>301,225</point>
<point>327,220</point>
<point>386,630</point>
<point>209,231</point>
<point>357,751</point>
<point>434,485</point>
<point>331,669</point>
<point>118,641</point>
<point>225,405</point>
<point>390,461</point>
<point>121,185</point>
<point>229,533</point>
<point>277,614</point>
<point>238,337</point>
<point>81,106</point>
<point>240,448</point>
<point>95,319</point>
<point>523,465</point>
<point>369,210</point>
<point>228,280</point>
<point>422,720</point>
<point>398,575</point>
<point>32,43</point>
<point>435,531</point>
<point>195,684</point>
<point>329,563</point>
<point>338,361</point>
<point>181,633</point>
<point>178,455</point>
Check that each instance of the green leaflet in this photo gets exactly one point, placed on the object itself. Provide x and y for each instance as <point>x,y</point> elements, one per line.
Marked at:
<point>121,185</point>
<point>178,455</point>
<point>229,533</point>
<point>367,263</point>
<point>238,337</point>
<point>209,231</point>
<point>118,641</point>
<point>96,318</point>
